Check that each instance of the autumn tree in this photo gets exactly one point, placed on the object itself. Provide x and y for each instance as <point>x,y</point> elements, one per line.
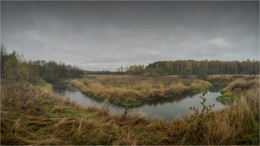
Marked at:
<point>15,69</point>
<point>4,57</point>
<point>135,69</point>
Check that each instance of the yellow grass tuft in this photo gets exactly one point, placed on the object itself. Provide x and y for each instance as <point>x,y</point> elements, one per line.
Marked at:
<point>195,86</point>
<point>177,89</point>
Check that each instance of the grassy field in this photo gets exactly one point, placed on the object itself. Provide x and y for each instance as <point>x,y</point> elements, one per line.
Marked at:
<point>135,90</point>
<point>33,115</point>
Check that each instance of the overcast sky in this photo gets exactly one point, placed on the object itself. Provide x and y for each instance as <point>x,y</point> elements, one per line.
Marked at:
<point>107,35</point>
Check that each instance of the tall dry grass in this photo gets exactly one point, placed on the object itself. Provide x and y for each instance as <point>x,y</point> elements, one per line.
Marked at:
<point>176,89</point>
<point>232,125</point>
<point>131,90</point>
<point>30,115</point>
<point>242,84</point>
<point>230,78</point>
<point>236,89</point>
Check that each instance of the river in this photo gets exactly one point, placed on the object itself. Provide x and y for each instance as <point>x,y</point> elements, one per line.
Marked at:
<point>169,110</point>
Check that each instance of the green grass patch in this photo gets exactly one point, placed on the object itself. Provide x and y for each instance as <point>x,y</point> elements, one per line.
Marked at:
<point>65,80</point>
<point>44,84</point>
<point>252,137</point>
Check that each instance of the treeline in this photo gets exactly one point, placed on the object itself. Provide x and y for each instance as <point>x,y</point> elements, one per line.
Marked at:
<point>52,71</point>
<point>191,67</point>
<point>14,68</point>
<point>132,69</point>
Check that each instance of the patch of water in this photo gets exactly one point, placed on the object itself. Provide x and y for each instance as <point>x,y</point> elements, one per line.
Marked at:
<point>174,108</point>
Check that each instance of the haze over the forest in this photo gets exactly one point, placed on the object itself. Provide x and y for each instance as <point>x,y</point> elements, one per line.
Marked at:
<point>107,35</point>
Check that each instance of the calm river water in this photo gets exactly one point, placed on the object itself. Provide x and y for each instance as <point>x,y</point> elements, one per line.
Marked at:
<point>170,109</point>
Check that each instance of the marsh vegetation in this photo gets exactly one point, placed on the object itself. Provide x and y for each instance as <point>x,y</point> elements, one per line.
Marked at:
<point>31,113</point>
<point>135,90</point>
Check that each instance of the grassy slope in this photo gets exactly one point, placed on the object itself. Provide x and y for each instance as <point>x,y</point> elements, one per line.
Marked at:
<point>134,91</point>
<point>32,115</point>
<point>44,84</point>
<point>235,90</point>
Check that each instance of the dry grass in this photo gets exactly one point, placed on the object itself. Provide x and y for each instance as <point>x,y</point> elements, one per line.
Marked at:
<point>236,89</point>
<point>195,86</point>
<point>232,125</point>
<point>30,115</point>
<point>241,83</point>
<point>230,78</point>
<point>177,89</point>
<point>133,90</point>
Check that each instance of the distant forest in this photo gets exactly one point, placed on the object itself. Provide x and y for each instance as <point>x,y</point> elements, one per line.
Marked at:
<point>52,71</point>
<point>191,67</point>
<point>208,67</point>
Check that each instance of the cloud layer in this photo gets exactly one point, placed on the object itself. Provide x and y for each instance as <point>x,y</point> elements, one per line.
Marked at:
<point>106,35</point>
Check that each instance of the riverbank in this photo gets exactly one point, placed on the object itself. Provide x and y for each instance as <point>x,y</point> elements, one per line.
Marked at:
<point>32,115</point>
<point>236,90</point>
<point>136,90</point>
<point>168,109</point>
<point>44,84</point>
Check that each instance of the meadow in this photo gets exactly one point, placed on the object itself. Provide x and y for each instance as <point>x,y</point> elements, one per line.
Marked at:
<point>136,90</point>
<point>34,115</point>
<point>31,113</point>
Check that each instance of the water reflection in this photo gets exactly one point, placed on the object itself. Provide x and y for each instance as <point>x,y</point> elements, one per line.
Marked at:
<point>61,88</point>
<point>170,100</point>
<point>217,88</point>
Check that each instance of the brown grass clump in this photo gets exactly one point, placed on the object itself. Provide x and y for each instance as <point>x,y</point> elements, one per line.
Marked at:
<point>177,89</point>
<point>203,83</point>
<point>153,92</point>
<point>241,83</point>
<point>124,138</point>
<point>236,90</point>
<point>195,86</point>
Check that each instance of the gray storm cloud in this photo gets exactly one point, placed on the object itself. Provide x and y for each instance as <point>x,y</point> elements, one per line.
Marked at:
<point>107,35</point>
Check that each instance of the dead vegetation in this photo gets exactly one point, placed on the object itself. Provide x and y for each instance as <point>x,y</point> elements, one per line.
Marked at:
<point>30,115</point>
<point>237,89</point>
<point>133,91</point>
<point>230,78</point>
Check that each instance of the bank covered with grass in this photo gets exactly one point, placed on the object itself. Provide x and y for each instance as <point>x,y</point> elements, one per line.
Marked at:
<point>135,90</point>
<point>33,115</point>
<point>236,90</point>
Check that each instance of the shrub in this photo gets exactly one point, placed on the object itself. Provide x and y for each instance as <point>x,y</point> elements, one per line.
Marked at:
<point>15,69</point>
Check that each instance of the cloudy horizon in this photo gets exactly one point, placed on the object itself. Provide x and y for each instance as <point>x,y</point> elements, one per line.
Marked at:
<point>107,35</point>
